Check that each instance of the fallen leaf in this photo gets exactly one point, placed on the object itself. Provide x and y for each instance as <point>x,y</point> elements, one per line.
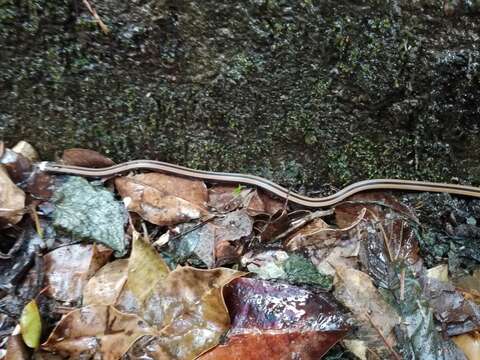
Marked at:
<point>105,286</point>
<point>31,325</point>
<point>374,317</point>
<point>469,344</point>
<point>27,150</point>
<point>68,268</point>
<point>98,330</point>
<point>17,166</point>
<point>226,198</point>
<point>294,268</point>
<point>276,224</point>
<point>89,212</point>
<point>12,201</point>
<point>85,158</point>
<point>16,349</point>
<point>278,321</point>
<point>439,272</point>
<point>163,199</point>
<point>456,314</point>
<point>214,243</point>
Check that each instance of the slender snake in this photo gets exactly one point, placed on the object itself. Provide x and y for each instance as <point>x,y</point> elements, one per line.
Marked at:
<point>267,185</point>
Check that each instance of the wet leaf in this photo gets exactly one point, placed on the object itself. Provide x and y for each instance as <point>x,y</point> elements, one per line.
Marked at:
<point>456,314</point>
<point>294,268</point>
<point>418,337</point>
<point>85,158</point>
<point>469,344</point>
<point>277,321</point>
<point>12,201</point>
<point>89,212</point>
<point>162,199</point>
<point>16,349</point>
<point>17,166</point>
<point>374,317</point>
<point>214,243</point>
<point>105,286</point>
<point>225,198</point>
<point>31,324</point>
<point>68,268</point>
<point>328,247</point>
<point>98,330</point>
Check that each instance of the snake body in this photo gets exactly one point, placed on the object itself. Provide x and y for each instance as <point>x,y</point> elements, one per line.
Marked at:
<point>267,185</point>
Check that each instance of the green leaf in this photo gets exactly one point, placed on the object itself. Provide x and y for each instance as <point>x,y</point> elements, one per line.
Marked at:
<point>31,324</point>
<point>89,212</point>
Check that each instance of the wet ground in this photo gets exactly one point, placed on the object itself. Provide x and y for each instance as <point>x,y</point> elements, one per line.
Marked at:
<point>307,93</point>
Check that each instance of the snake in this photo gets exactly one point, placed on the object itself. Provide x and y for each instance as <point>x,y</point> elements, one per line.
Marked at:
<point>262,183</point>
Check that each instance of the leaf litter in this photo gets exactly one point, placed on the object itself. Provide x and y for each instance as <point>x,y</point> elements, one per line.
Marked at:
<point>228,272</point>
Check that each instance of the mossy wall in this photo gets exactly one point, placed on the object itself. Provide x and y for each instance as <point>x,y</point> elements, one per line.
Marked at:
<point>307,93</point>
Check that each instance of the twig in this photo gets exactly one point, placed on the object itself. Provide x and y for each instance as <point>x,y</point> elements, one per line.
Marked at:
<point>402,285</point>
<point>99,21</point>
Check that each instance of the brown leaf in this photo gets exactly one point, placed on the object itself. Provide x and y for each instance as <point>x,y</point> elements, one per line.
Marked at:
<point>374,316</point>
<point>17,165</point>
<point>12,201</point>
<point>16,349</point>
<point>276,224</point>
<point>469,344</point>
<point>162,199</point>
<point>105,286</point>
<point>225,198</point>
<point>277,321</point>
<point>98,330</point>
<point>85,158</point>
<point>27,150</point>
<point>68,268</point>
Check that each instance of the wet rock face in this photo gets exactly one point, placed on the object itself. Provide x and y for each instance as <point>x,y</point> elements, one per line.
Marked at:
<point>304,92</point>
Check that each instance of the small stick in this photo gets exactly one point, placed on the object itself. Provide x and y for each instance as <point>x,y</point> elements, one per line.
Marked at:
<point>99,21</point>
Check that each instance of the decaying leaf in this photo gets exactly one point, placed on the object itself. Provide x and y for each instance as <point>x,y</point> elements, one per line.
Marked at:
<point>16,349</point>
<point>12,201</point>
<point>98,330</point>
<point>90,213</point>
<point>277,321</point>
<point>17,166</point>
<point>85,158</point>
<point>278,264</point>
<point>214,243</point>
<point>225,198</point>
<point>469,344</point>
<point>374,316</point>
<point>31,325</point>
<point>68,268</point>
<point>105,286</point>
<point>162,199</point>
<point>457,314</point>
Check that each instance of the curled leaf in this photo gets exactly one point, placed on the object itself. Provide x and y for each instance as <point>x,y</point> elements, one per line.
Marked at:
<point>85,158</point>
<point>12,201</point>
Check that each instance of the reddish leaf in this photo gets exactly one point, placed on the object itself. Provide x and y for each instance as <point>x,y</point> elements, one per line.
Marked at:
<point>277,321</point>
<point>85,158</point>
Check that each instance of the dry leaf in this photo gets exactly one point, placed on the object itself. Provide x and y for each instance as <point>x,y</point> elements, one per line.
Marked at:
<point>85,158</point>
<point>162,199</point>
<point>98,330</point>
<point>68,268</point>
<point>12,201</point>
